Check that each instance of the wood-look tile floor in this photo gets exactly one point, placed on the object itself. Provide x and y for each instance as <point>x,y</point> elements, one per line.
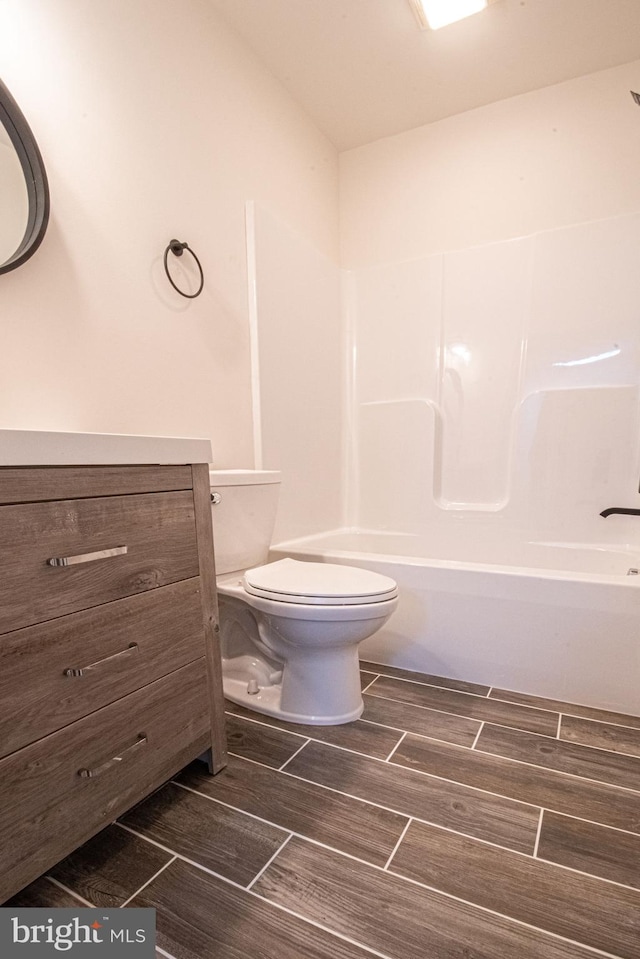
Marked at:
<point>453,821</point>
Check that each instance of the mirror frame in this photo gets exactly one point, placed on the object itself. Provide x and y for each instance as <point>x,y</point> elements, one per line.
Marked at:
<point>35,177</point>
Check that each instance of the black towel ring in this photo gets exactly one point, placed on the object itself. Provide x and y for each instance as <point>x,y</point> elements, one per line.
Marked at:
<point>178,248</point>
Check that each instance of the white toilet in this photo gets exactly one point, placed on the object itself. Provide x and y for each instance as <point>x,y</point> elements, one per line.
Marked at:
<point>289,630</point>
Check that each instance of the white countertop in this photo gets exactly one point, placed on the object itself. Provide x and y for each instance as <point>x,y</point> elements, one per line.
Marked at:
<point>45,448</point>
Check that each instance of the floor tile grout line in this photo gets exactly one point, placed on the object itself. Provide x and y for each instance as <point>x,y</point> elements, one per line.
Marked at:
<point>592,822</point>
<point>371,865</point>
<point>364,688</point>
<point>504,915</point>
<point>428,822</point>
<point>399,729</point>
<point>374,952</point>
<point>456,782</point>
<point>429,709</point>
<point>293,755</point>
<point>603,722</point>
<point>527,732</point>
<point>555,738</point>
<point>537,842</point>
<point>317,925</point>
<point>394,748</point>
<point>502,725</point>
<point>163,952</point>
<point>252,892</point>
<point>477,736</point>
<point>179,856</point>
<point>268,863</point>
<point>530,732</point>
<point>366,802</point>
<point>560,772</point>
<point>466,902</point>
<point>344,749</point>
<point>192,862</point>
<point>76,895</point>
<point>463,692</point>
<point>340,852</point>
<point>407,879</point>
<point>301,835</point>
<point>483,752</point>
<point>421,682</point>
<point>567,712</point>
<point>472,719</point>
<point>263,720</point>
<point>477,719</point>
<point>420,772</point>
<point>228,805</point>
<point>148,882</point>
<point>397,845</point>
<point>613,752</point>
<point>370,722</point>
<point>587,875</point>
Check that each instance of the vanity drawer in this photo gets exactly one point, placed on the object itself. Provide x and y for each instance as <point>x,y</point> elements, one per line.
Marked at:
<point>152,539</point>
<point>58,792</point>
<point>27,485</point>
<point>54,673</point>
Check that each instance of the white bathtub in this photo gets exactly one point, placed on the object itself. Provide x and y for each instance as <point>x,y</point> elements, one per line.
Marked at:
<point>560,620</point>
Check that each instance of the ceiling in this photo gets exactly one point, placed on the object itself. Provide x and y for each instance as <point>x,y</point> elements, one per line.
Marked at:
<point>363,69</point>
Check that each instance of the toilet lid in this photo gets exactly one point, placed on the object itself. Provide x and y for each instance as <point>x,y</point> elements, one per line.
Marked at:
<point>318,584</point>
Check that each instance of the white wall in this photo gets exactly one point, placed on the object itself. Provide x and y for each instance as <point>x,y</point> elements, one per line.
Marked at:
<point>494,288</point>
<point>558,156</point>
<point>154,122</point>
<point>301,373</point>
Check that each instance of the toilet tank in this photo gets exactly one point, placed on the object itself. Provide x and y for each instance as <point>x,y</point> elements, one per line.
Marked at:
<point>244,517</point>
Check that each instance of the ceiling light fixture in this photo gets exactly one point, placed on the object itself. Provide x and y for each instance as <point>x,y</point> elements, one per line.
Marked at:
<point>434,14</point>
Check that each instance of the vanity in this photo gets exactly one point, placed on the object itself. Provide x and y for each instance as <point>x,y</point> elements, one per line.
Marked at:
<point>110,674</point>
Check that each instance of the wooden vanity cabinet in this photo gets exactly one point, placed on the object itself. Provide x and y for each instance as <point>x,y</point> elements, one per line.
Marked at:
<point>110,673</point>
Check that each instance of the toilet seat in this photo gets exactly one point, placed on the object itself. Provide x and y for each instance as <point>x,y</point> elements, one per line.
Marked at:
<point>318,584</point>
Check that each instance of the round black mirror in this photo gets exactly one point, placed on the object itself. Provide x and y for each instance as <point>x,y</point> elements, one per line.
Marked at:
<point>24,191</point>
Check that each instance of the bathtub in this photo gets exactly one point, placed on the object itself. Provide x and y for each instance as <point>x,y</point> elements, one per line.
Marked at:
<point>560,620</point>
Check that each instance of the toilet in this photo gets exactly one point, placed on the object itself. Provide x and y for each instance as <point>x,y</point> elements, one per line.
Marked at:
<point>289,630</point>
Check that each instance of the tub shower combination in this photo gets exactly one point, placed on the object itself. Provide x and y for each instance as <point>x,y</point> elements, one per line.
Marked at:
<point>491,413</point>
<point>558,620</point>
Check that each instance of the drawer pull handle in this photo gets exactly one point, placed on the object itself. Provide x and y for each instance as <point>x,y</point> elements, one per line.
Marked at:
<point>80,671</point>
<point>86,557</point>
<point>110,763</point>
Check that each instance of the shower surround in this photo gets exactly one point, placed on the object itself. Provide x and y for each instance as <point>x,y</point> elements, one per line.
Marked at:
<point>490,414</point>
<point>499,386</point>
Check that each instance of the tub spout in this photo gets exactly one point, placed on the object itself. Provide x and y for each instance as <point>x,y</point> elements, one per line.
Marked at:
<point>620,509</point>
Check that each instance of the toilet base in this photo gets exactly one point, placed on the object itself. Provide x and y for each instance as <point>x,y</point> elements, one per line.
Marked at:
<point>267,702</point>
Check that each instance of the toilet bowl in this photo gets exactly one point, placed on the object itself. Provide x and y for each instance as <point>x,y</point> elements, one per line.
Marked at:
<point>289,630</point>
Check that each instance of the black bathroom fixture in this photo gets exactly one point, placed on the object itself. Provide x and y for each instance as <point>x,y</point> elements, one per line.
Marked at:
<point>636,97</point>
<point>178,248</point>
<point>620,509</point>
